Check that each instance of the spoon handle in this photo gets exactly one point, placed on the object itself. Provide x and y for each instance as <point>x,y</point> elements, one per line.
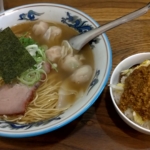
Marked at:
<point>1,6</point>
<point>79,41</point>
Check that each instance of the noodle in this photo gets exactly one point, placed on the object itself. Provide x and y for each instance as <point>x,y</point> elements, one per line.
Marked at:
<point>42,107</point>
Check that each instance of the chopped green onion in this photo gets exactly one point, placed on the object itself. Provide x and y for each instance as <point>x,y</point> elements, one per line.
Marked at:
<point>31,76</point>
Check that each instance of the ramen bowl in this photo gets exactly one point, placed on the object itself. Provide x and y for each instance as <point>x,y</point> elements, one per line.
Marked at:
<point>115,78</point>
<point>101,49</point>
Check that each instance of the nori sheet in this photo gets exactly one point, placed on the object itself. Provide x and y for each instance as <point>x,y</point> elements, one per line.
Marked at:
<point>14,58</point>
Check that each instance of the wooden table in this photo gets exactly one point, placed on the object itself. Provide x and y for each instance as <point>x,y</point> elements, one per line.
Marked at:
<point>100,127</point>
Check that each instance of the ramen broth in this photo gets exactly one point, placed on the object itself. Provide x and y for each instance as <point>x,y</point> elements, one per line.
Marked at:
<point>67,33</point>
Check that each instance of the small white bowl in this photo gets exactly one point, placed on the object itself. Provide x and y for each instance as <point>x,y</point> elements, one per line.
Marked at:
<point>102,62</point>
<point>125,64</point>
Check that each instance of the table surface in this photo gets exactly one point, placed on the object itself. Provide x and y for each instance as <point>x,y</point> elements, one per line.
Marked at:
<point>100,127</point>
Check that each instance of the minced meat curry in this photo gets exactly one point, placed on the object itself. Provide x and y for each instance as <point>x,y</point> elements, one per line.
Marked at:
<point>136,93</point>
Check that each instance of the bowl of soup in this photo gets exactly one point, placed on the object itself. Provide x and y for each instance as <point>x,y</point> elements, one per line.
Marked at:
<point>129,90</point>
<point>44,83</point>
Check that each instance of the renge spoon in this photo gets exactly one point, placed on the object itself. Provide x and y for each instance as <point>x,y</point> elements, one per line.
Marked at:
<point>1,6</point>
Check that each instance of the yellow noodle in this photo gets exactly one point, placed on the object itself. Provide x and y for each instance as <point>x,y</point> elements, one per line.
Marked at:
<point>43,106</point>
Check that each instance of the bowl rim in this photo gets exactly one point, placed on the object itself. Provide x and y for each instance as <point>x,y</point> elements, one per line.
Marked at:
<point>108,47</point>
<point>121,114</point>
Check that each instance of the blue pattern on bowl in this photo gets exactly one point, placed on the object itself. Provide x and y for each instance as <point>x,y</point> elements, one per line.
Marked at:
<point>76,23</point>
<point>16,126</point>
<point>29,16</point>
<point>95,80</point>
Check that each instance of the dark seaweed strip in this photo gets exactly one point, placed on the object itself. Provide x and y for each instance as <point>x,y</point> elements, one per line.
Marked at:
<point>14,58</point>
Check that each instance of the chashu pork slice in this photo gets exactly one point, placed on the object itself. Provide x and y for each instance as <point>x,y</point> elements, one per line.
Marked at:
<point>14,98</point>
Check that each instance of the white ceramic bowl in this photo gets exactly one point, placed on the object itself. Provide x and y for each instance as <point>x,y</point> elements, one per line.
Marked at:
<point>125,64</point>
<point>102,57</point>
